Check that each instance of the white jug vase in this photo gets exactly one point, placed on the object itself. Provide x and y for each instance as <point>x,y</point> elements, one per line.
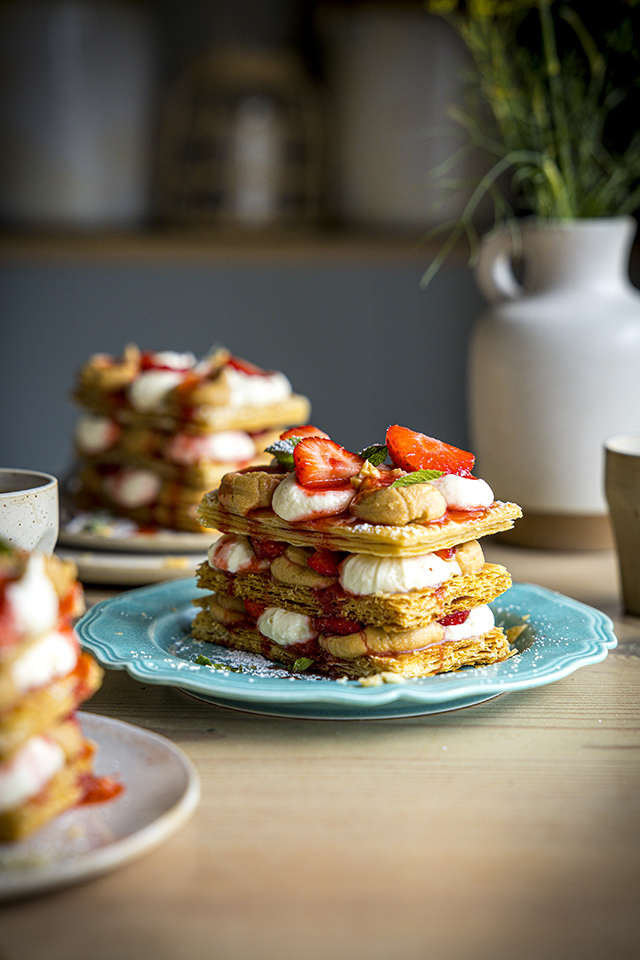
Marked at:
<point>554,369</point>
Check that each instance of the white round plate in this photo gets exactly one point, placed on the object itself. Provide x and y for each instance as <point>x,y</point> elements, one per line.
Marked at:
<point>130,569</point>
<point>157,541</point>
<point>161,791</point>
<point>148,633</point>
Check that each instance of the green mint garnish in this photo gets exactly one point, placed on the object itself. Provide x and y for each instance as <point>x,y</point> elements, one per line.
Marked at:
<point>205,662</point>
<point>376,454</point>
<point>302,663</point>
<point>419,476</point>
<point>282,450</point>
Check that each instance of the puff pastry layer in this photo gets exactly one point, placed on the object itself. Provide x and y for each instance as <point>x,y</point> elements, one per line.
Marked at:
<point>393,610</point>
<point>62,791</point>
<point>44,677</point>
<point>345,533</point>
<point>493,647</point>
<point>168,428</point>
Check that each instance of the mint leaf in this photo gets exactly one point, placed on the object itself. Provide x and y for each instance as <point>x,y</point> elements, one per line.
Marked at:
<point>302,663</point>
<point>282,450</point>
<point>205,662</point>
<point>419,476</point>
<point>376,454</point>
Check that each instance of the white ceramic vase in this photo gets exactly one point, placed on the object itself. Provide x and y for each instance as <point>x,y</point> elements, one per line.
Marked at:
<point>554,369</point>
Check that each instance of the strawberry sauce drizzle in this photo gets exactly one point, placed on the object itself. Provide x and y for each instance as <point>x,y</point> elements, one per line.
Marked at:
<point>96,789</point>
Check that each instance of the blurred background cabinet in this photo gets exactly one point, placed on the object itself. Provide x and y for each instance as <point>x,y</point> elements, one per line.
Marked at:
<point>253,173</point>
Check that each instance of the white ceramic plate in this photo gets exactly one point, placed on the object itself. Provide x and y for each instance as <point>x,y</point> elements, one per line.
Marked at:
<point>161,791</point>
<point>130,569</point>
<point>136,541</point>
<point>147,632</point>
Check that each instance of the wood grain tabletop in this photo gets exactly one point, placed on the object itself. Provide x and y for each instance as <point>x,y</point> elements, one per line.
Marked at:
<point>510,829</point>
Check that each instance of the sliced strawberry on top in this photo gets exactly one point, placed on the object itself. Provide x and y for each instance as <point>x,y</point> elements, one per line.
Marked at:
<point>159,361</point>
<point>245,366</point>
<point>319,462</point>
<point>412,451</point>
<point>305,431</point>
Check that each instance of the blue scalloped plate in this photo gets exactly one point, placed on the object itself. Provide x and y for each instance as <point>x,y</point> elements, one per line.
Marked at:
<point>147,632</point>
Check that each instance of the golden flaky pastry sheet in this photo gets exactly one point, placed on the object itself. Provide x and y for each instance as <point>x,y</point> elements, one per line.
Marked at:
<point>353,536</point>
<point>493,647</point>
<point>399,610</point>
<point>204,418</point>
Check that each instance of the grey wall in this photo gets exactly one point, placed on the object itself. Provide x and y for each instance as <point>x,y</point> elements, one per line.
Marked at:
<point>362,340</point>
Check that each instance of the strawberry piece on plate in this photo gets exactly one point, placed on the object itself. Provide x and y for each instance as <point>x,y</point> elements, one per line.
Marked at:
<point>319,462</point>
<point>413,451</point>
<point>305,431</point>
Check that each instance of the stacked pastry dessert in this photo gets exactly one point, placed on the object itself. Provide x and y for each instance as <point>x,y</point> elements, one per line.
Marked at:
<point>354,566</point>
<point>159,429</point>
<point>45,762</point>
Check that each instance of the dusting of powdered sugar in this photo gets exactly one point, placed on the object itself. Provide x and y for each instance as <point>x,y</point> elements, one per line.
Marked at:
<point>226,662</point>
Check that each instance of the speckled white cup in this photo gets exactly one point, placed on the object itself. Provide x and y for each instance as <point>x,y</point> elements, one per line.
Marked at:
<point>29,512</point>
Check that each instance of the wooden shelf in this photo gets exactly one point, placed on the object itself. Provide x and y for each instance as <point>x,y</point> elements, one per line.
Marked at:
<point>216,246</point>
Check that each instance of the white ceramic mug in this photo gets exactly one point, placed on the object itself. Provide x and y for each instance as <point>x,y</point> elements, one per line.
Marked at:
<point>29,512</point>
<point>622,488</point>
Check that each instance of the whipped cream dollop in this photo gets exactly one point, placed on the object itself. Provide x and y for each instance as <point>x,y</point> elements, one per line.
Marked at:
<point>94,433</point>
<point>293,502</point>
<point>256,390</point>
<point>364,575</point>
<point>54,656</point>
<point>149,390</point>
<point>480,621</point>
<point>233,555</point>
<point>28,771</point>
<point>173,359</point>
<point>227,446</point>
<point>133,488</point>
<point>284,627</point>
<point>464,493</point>
<point>33,599</point>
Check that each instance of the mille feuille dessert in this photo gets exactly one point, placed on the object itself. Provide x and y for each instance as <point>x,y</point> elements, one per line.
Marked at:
<point>349,566</point>
<point>46,765</point>
<point>159,429</point>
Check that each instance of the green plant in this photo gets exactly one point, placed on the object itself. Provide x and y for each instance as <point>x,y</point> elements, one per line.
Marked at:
<point>552,102</point>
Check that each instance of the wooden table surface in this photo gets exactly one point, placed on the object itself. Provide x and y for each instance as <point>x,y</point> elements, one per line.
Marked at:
<point>506,830</point>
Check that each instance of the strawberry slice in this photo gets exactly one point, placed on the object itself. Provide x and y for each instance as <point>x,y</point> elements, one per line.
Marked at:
<point>319,462</point>
<point>459,616</point>
<point>245,366</point>
<point>267,549</point>
<point>415,451</point>
<point>306,431</point>
<point>325,561</point>
<point>332,626</point>
<point>253,608</point>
